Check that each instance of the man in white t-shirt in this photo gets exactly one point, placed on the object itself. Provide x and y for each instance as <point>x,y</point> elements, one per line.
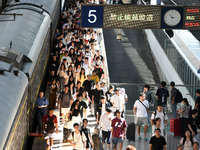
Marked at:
<point>77,138</point>
<point>161,114</point>
<point>140,109</point>
<point>117,101</point>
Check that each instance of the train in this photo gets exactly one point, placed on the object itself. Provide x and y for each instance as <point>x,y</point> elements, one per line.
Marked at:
<point>27,29</point>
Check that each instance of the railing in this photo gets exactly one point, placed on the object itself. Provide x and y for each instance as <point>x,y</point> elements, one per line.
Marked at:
<point>133,90</point>
<point>181,66</point>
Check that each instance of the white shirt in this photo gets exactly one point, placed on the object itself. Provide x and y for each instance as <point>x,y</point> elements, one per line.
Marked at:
<point>78,140</point>
<point>153,130</point>
<point>86,67</point>
<point>103,109</point>
<point>67,58</point>
<point>161,116</point>
<point>117,100</point>
<point>141,110</point>
<point>105,122</point>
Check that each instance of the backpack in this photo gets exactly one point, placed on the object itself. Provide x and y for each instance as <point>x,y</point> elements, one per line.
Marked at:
<point>179,96</point>
<point>163,95</point>
<point>189,111</point>
<point>155,112</point>
<point>50,125</point>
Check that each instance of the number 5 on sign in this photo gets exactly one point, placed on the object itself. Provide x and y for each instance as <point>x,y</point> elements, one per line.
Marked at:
<point>92,16</point>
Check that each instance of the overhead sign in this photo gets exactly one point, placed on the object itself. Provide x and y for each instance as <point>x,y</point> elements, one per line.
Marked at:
<point>141,16</point>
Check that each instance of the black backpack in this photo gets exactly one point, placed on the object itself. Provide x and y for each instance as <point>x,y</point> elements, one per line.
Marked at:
<point>163,92</point>
<point>179,96</point>
<point>50,125</point>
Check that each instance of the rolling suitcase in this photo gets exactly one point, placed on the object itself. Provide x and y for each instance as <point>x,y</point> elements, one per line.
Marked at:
<point>130,132</point>
<point>175,126</point>
<point>169,137</point>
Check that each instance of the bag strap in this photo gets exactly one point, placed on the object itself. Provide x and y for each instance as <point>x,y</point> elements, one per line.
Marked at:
<point>117,124</point>
<point>142,104</point>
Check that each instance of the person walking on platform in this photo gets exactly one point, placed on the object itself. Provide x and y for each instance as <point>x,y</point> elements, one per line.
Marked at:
<point>103,105</point>
<point>117,101</point>
<point>77,138</point>
<point>173,99</point>
<point>86,130</point>
<point>49,125</point>
<point>142,107</point>
<point>157,142</point>
<point>160,113</point>
<point>65,101</point>
<point>105,124</point>
<point>183,111</point>
<point>118,130</point>
<point>193,123</point>
<point>162,95</point>
<point>96,97</point>
<point>41,103</point>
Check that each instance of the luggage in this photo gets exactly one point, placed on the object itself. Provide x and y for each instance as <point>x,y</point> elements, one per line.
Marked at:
<point>130,132</point>
<point>169,137</point>
<point>66,134</point>
<point>57,114</point>
<point>97,143</point>
<point>175,126</point>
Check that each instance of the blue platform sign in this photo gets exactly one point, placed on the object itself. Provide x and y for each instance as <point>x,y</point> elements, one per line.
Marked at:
<point>92,16</point>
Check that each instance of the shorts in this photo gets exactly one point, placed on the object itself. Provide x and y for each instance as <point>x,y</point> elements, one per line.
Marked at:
<point>49,136</point>
<point>142,120</point>
<point>106,135</point>
<point>65,110</point>
<point>116,140</point>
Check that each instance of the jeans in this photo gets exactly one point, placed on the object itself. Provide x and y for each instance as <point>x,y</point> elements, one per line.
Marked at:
<point>40,114</point>
<point>174,107</point>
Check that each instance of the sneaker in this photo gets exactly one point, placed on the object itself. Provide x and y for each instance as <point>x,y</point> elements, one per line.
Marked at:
<point>146,139</point>
<point>139,138</point>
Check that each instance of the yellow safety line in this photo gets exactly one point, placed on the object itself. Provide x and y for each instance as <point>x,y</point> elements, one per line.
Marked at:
<point>22,142</point>
<point>17,122</point>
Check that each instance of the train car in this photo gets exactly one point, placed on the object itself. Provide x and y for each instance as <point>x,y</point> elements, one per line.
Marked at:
<point>27,29</point>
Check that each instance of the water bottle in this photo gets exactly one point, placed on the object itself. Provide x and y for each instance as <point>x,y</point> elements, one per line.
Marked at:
<point>163,98</point>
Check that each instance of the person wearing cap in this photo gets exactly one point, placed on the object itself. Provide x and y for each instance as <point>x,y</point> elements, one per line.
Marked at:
<point>48,119</point>
<point>103,105</point>
<point>117,101</point>
<point>105,124</point>
<point>157,142</point>
<point>41,103</point>
<point>102,86</point>
<point>159,113</point>
<point>142,107</point>
<point>193,123</point>
<point>118,130</point>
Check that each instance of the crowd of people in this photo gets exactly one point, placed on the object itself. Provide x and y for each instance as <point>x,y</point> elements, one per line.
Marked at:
<point>189,118</point>
<point>76,85</point>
